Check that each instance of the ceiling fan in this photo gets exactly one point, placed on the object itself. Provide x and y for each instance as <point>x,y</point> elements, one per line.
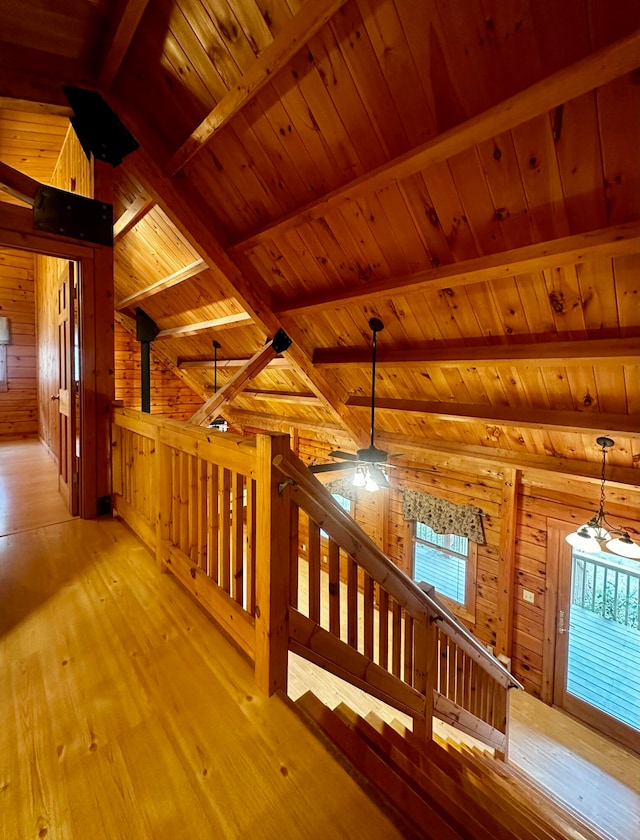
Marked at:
<point>367,462</point>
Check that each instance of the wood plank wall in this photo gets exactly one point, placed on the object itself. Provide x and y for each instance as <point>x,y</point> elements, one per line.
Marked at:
<point>73,173</point>
<point>18,403</point>
<point>541,498</point>
<point>169,395</point>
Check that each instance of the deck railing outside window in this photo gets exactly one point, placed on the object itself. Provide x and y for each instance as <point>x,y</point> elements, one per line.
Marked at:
<point>609,588</point>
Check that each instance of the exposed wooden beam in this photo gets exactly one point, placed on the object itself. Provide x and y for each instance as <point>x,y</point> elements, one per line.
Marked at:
<point>17,231</point>
<point>530,418</point>
<point>579,78</point>
<point>236,277</point>
<point>302,27</point>
<point>224,323</point>
<point>564,353</point>
<point>621,240</point>
<point>277,423</point>
<point>293,397</point>
<point>234,386</point>
<point>191,270</point>
<point>18,184</point>
<point>122,27</point>
<point>136,211</point>
<point>37,76</point>
<point>451,455</point>
<point>281,362</point>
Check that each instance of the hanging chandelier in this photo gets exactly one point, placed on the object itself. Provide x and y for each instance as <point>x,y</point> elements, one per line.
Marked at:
<point>598,534</point>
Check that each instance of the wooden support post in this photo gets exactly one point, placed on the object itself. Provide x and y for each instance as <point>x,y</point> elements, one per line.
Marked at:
<point>427,654</point>
<point>272,568</point>
<point>506,561</point>
<point>163,483</point>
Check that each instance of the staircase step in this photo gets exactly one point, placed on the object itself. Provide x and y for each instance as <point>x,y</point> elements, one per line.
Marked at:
<point>429,822</point>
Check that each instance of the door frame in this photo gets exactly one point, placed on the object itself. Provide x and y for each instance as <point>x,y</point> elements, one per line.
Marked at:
<point>558,595</point>
<point>95,306</point>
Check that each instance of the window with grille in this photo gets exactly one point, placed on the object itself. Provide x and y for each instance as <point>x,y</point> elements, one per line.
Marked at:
<point>447,562</point>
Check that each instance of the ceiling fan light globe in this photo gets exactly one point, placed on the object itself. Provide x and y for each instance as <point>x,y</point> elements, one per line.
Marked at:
<point>359,479</point>
<point>371,485</point>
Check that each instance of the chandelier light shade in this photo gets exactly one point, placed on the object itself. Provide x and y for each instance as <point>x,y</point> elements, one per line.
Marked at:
<point>593,536</point>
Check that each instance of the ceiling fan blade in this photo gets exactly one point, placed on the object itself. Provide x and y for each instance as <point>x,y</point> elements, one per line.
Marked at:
<point>321,468</point>
<point>378,476</point>
<point>337,453</point>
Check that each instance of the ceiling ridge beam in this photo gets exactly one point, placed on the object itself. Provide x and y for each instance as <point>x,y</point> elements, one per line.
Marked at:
<point>604,243</point>
<point>573,81</point>
<point>566,353</point>
<point>179,276</point>
<point>120,34</point>
<point>222,323</point>
<point>295,397</point>
<point>527,417</point>
<point>134,213</point>
<point>300,29</point>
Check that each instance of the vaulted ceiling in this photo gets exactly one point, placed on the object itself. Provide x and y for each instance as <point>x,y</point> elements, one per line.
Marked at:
<point>468,172</point>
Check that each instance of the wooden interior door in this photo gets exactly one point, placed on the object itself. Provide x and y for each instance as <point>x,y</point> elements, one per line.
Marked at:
<point>597,648</point>
<point>68,461</point>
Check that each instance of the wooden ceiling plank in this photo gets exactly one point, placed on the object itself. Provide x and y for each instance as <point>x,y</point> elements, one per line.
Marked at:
<point>191,270</point>
<point>28,106</point>
<point>620,240</point>
<point>579,78</point>
<point>234,386</point>
<point>566,353</point>
<point>136,211</point>
<point>273,58</point>
<point>18,184</point>
<point>123,27</point>
<point>531,418</point>
<point>225,322</point>
<point>236,277</point>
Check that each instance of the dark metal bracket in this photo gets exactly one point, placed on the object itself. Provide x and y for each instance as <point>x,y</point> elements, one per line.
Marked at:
<point>69,214</point>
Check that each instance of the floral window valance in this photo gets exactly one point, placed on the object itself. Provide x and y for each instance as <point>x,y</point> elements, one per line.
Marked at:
<point>442,516</point>
<point>343,487</point>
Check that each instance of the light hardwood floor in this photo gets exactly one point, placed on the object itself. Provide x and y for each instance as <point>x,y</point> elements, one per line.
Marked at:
<point>126,714</point>
<point>123,708</point>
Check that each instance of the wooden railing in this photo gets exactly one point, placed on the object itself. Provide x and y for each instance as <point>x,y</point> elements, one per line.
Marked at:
<point>224,515</point>
<point>607,589</point>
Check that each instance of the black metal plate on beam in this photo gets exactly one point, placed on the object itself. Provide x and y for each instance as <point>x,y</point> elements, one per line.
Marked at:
<point>281,341</point>
<point>68,214</point>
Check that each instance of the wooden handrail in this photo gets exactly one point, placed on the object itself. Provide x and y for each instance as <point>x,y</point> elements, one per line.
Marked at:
<point>316,500</point>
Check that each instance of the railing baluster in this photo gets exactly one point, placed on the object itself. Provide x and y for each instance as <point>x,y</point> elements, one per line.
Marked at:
<point>408,649</point>
<point>294,560</point>
<point>175,507</point>
<point>352,603</point>
<point>368,614</point>
<point>212,521</point>
<point>396,652</point>
<point>252,544</point>
<point>314,571</point>
<point>237,537</point>
<point>334,587</point>
<point>224,496</point>
<point>201,514</point>
<point>383,628</point>
<point>192,509</point>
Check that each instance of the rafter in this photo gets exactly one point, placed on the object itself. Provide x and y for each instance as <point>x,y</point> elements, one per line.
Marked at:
<point>234,386</point>
<point>134,213</point>
<point>302,27</point>
<point>122,27</point>
<point>191,270</point>
<point>18,184</point>
<point>224,323</point>
<point>281,362</point>
<point>564,353</point>
<point>237,278</point>
<point>585,75</point>
<point>621,240</point>
<point>528,418</point>
<point>29,106</point>
<point>293,397</point>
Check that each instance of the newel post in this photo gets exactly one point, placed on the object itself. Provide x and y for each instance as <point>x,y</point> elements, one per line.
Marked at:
<point>272,568</point>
